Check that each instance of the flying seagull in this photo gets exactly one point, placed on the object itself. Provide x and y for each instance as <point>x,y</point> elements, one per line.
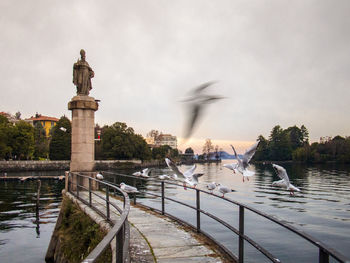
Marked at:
<point>144,173</point>
<point>284,182</point>
<point>188,177</point>
<point>128,188</point>
<point>243,163</point>
<point>196,104</point>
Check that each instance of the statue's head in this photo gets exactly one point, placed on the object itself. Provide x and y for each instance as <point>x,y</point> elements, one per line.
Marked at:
<point>82,53</point>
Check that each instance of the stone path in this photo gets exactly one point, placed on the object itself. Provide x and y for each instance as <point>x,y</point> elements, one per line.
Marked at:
<point>156,238</point>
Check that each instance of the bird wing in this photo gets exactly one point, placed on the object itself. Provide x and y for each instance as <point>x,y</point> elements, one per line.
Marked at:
<point>195,176</point>
<point>250,153</point>
<point>194,115</point>
<point>173,167</point>
<point>202,87</point>
<point>190,171</point>
<point>281,172</point>
<point>238,159</point>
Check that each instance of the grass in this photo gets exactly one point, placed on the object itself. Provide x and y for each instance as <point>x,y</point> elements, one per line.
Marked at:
<point>79,234</point>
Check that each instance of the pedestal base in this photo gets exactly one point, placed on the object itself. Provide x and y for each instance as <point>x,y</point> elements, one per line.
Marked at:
<point>83,133</point>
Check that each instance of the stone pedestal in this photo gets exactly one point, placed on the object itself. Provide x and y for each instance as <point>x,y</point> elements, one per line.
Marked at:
<point>83,110</point>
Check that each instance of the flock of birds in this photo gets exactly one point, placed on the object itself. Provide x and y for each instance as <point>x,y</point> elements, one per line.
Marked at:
<point>196,103</point>
<point>190,178</point>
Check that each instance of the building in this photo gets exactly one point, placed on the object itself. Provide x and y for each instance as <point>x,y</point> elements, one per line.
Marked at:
<point>46,121</point>
<point>11,118</point>
<point>166,139</point>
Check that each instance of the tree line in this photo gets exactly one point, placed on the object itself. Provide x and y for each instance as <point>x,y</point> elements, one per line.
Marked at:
<point>22,141</point>
<point>293,144</point>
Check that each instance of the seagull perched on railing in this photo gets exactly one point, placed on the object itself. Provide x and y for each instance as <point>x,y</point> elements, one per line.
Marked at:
<point>144,173</point>
<point>188,177</point>
<point>224,190</point>
<point>128,188</point>
<point>196,104</point>
<point>211,186</point>
<point>164,176</point>
<point>284,182</point>
<point>99,176</point>
<point>243,163</point>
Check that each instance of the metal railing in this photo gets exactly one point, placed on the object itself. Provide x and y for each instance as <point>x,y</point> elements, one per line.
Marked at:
<point>324,251</point>
<point>120,230</point>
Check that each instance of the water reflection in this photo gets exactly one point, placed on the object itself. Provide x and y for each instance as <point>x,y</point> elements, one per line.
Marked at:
<point>25,225</point>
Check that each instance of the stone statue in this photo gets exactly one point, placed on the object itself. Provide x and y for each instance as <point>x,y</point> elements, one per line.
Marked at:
<point>82,74</point>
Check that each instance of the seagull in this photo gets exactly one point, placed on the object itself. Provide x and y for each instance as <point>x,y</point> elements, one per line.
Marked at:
<point>284,182</point>
<point>187,177</point>
<point>231,166</point>
<point>164,176</point>
<point>224,190</point>
<point>243,163</point>
<point>144,173</point>
<point>196,105</point>
<point>211,186</point>
<point>128,188</point>
<point>99,176</point>
<point>22,179</point>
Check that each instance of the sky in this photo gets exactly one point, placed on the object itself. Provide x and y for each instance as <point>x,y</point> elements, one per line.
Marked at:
<point>277,63</point>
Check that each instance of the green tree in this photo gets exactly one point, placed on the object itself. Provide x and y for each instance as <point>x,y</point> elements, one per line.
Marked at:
<point>41,148</point>
<point>5,148</point>
<point>262,152</point>
<point>120,142</point>
<point>60,144</point>
<point>22,140</point>
<point>279,143</point>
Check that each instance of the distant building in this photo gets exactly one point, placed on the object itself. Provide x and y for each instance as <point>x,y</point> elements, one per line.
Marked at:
<point>46,121</point>
<point>166,139</point>
<point>11,118</point>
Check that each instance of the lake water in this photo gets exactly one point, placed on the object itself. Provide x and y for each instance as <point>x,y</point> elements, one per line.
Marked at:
<point>23,238</point>
<point>321,209</point>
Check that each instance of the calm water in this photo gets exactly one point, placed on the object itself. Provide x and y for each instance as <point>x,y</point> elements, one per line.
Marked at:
<point>321,209</point>
<point>23,236</point>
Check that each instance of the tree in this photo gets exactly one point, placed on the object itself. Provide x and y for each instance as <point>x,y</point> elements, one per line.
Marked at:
<point>120,142</point>
<point>18,115</point>
<point>262,151</point>
<point>207,148</point>
<point>5,148</point>
<point>41,148</point>
<point>153,134</point>
<point>60,145</point>
<point>22,140</point>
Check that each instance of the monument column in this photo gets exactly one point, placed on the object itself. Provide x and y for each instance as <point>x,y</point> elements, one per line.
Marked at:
<point>83,110</point>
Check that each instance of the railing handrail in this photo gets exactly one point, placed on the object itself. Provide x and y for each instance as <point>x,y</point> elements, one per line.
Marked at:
<point>322,246</point>
<point>120,228</point>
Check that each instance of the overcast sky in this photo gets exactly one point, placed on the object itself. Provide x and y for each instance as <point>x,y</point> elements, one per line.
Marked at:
<point>278,62</point>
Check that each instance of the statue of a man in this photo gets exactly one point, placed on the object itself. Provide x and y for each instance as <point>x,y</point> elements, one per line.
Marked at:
<point>82,74</point>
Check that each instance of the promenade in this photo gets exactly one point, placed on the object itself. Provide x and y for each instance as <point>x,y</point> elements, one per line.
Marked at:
<point>156,238</point>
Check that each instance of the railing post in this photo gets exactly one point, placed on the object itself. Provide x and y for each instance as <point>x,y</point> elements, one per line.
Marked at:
<point>120,244</point>
<point>90,203</point>
<point>77,177</point>
<point>163,210</point>
<point>198,206</point>
<point>107,202</point>
<point>241,232</point>
<point>134,182</point>
<point>323,256</point>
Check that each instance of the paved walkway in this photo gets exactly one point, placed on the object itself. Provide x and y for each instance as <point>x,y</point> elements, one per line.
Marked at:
<point>156,238</point>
